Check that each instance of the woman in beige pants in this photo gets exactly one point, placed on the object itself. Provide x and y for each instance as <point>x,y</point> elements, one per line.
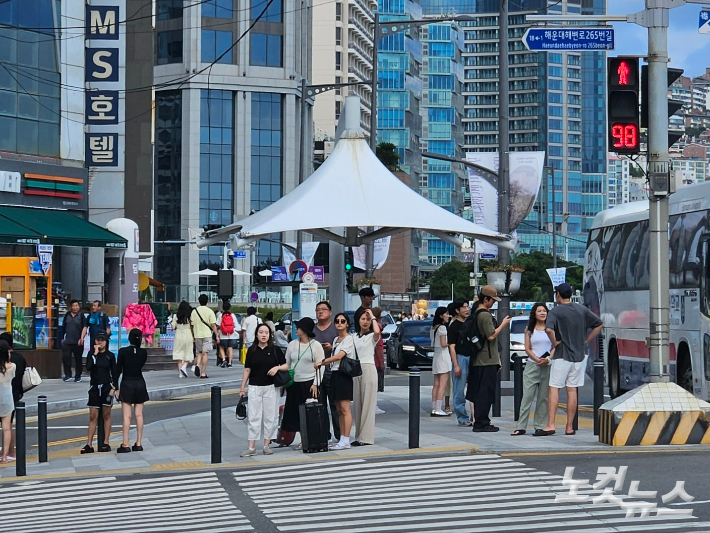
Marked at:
<point>365,386</point>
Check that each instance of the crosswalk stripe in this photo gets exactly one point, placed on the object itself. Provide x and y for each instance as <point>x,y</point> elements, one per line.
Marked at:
<point>13,488</point>
<point>466,494</point>
<point>137,504</point>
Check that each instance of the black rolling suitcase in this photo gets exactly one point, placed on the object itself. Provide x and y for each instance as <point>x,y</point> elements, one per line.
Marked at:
<point>314,427</point>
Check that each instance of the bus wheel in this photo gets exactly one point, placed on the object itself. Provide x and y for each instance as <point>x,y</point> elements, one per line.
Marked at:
<point>684,369</point>
<point>614,373</point>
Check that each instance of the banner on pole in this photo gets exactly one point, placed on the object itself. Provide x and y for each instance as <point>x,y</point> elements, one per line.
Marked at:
<point>557,275</point>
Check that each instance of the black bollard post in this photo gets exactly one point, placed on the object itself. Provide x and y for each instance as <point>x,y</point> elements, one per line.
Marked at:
<point>20,440</point>
<point>216,410</point>
<point>42,428</point>
<point>598,392</point>
<point>414,406</point>
<point>517,386</point>
<point>575,420</point>
<point>100,430</point>
<point>496,398</point>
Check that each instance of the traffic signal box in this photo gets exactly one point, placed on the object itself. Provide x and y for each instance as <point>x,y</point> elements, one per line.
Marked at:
<point>673,105</point>
<point>349,274</point>
<point>623,105</point>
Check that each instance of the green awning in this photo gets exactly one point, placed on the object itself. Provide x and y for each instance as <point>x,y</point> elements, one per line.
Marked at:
<point>31,225</point>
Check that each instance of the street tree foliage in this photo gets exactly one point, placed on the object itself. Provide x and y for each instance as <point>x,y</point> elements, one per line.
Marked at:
<point>535,285</point>
<point>388,156</point>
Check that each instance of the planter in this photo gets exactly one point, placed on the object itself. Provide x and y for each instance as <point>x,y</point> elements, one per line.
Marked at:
<point>515,279</point>
<point>497,280</point>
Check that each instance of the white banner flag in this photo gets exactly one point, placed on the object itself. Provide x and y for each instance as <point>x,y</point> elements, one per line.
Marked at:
<point>557,275</point>
<point>308,250</point>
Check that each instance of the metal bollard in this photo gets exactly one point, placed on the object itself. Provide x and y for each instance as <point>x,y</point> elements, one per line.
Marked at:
<point>598,392</point>
<point>517,386</point>
<point>42,428</point>
<point>414,406</point>
<point>216,424</point>
<point>20,440</point>
<point>100,430</point>
<point>496,397</point>
<point>575,420</point>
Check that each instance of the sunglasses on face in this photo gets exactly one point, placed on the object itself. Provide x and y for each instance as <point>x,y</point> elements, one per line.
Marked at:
<point>341,321</point>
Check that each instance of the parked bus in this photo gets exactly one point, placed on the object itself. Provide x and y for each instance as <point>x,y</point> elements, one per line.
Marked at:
<point>616,287</point>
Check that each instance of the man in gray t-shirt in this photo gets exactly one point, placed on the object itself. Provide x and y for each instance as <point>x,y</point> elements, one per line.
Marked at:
<point>73,341</point>
<point>325,334</point>
<point>567,326</point>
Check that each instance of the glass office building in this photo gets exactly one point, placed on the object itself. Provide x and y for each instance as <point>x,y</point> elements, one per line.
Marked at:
<point>224,140</point>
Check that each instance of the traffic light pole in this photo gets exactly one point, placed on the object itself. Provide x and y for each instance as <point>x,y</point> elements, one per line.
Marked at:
<point>658,174</point>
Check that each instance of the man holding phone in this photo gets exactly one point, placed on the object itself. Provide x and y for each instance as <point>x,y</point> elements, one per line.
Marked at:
<point>325,334</point>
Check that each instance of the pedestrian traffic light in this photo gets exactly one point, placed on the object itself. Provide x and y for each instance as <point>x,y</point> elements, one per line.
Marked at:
<point>348,259</point>
<point>623,104</point>
<point>673,105</point>
<point>349,274</point>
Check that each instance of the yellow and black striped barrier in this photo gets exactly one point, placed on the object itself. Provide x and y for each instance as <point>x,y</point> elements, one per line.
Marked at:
<point>655,414</point>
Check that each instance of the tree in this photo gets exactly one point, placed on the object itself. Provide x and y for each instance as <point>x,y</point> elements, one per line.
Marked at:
<point>388,156</point>
<point>454,272</point>
<point>635,171</point>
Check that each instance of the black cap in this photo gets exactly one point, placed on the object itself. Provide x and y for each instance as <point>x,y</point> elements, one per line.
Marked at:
<point>564,290</point>
<point>100,335</point>
<point>306,325</point>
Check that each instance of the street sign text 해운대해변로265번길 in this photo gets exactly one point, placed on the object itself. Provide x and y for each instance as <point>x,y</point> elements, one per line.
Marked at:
<point>569,39</point>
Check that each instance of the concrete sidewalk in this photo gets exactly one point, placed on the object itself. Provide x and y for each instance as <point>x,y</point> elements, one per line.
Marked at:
<point>183,443</point>
<point>162,385</point>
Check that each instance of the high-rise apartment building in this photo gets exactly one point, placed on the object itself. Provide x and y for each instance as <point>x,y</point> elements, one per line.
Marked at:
<point>618,180</point>
<point>227,137</point>
<point>342,46</point>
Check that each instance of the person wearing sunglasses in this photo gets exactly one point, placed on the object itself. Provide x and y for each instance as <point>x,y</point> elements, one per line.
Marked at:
<point>341,385</point>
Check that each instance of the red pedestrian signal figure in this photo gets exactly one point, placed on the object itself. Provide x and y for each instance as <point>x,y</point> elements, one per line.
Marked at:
<point>623,71</point>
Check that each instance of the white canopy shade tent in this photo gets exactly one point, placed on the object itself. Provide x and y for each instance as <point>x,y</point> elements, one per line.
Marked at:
<point>353,190</point>
<point>204,272</point>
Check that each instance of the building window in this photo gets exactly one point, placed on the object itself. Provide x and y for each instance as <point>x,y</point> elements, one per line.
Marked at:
<point>167,185</point>
<point>216,43</point>
<point>338,105</point>
<point>338,36</point>
<point>217,8</point>
<point>338,61</point>
<point>338,11</point>
<point>216,128</point>
<point>169,49</point>
<point>170,9</point>
<point>265,50</point>
<point>29,79</point>
<point>338,80</point>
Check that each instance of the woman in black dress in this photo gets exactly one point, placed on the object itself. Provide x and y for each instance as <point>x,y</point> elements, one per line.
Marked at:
<point>132,392</point>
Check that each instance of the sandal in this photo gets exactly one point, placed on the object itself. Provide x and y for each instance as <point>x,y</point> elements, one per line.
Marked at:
<point>517,433</point>
<point>123,449</point>
<point>105,448</point>
<point>87,449</point>
<point>137,447</point>
<point>299,447</point>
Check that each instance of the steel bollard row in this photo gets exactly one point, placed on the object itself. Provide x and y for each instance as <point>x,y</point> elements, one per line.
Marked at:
<point>216,424</point>
<point>496,397</point>
<point>414,406</point>
<point>598,392</point>
<point>517,386</point>
<point>42,428</point>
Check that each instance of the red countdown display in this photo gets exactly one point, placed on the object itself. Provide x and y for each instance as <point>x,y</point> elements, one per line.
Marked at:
<point>626,136</point>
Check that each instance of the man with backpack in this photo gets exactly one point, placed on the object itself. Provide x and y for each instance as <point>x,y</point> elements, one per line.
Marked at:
<point>485,360</point>
<point>459,359</point>
<point>228,326</point>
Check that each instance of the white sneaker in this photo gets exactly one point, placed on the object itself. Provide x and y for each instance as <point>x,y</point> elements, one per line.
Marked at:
<point>249,452</point>
<point>181,376</point>
<point>340,446</point>
<point>439,412</point>
<point>378,411</point>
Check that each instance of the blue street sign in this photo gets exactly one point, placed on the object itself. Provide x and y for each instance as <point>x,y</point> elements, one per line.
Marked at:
<point>704,22</point>
<point>569,39</point>
<point>488,256</point>
<point>240,254</point>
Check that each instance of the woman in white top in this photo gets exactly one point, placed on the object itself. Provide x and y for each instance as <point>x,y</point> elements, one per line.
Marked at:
<point>228,335</point>
<point>537,372</point>
<point>184,341</point>
<point>341,385</point>
<point>302,356</point>
<point>365,386</point>
<point>441,364</point>
<point>7,405</point>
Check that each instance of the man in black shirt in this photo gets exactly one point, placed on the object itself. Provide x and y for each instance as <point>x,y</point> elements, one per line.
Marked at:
<point>73,341</point>
<point>460,361</point>
<point>367,295</point>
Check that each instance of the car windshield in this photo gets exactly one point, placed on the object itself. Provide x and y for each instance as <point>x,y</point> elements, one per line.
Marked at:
<point>518,326</point>
<point>414,330</point>
<point>386,319</point>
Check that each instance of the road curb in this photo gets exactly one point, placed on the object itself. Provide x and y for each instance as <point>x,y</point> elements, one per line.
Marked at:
<point>165,393</point>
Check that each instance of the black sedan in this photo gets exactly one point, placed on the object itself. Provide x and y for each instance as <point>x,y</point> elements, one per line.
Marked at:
<point>410,345</point>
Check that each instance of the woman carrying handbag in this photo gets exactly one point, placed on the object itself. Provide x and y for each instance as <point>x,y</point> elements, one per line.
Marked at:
<point>341,383</point>
<point>365,385</point>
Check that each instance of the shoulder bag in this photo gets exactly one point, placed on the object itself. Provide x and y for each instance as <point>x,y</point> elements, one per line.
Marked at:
<point>30,379</point>
<point>351,367</point>
<point>214,337</point>
<point>282,378</point>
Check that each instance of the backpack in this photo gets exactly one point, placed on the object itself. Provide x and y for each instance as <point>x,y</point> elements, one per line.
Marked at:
<point>470,342</point>
<point>226,326</point>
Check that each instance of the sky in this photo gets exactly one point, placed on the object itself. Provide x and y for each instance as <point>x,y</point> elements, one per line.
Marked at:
<point>687,49</point>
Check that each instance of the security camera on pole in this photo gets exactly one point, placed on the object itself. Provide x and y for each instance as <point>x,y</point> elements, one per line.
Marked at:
<point>621,413</point>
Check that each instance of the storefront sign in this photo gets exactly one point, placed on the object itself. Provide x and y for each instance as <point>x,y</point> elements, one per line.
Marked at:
<point>101,107</point>
<point>44,253</point>
<point>10,181</point>
<point>102,149</point>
